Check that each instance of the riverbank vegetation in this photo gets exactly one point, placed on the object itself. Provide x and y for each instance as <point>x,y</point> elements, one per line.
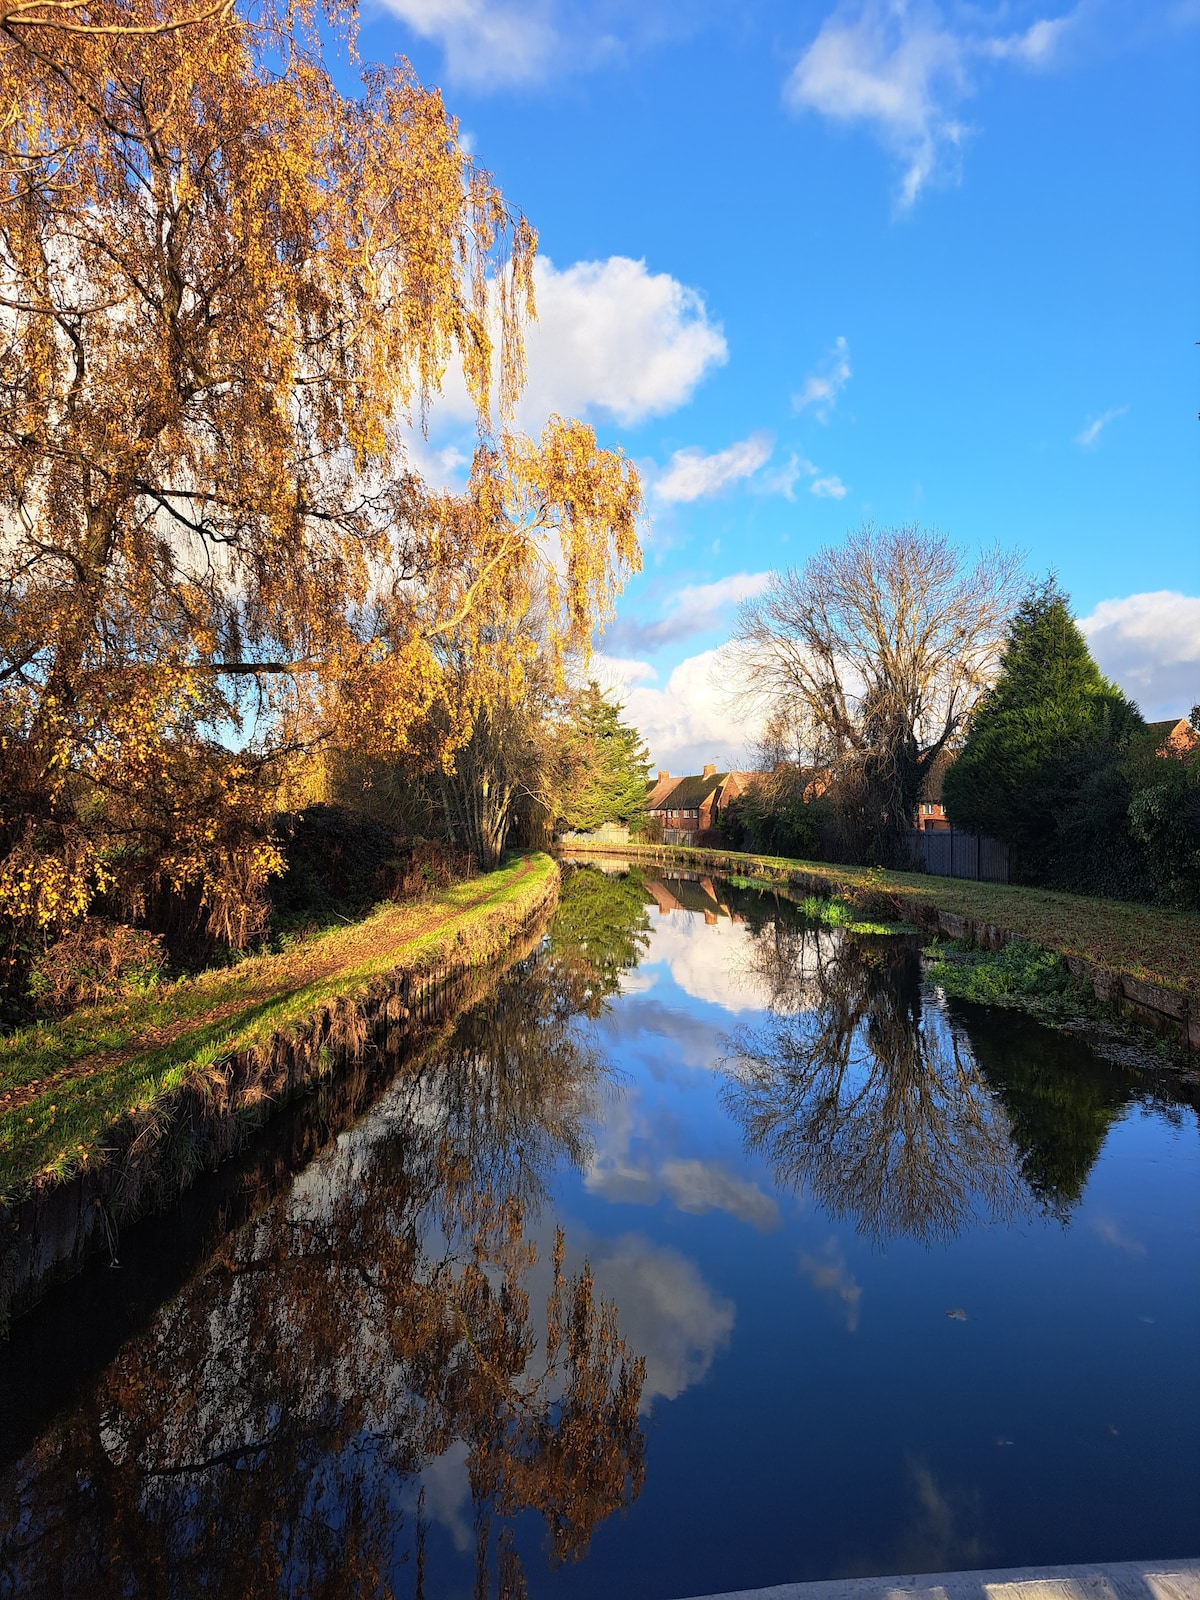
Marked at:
<point>1147,942</point>
<point>64,1083</point>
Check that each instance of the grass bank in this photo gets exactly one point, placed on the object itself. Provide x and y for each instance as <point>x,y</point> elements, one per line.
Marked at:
<point>1145,943</point>
<point>67,1087</point>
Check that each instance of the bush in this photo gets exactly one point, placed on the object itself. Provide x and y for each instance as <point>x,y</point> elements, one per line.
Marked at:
<point>1164,819</point>
<point>96,961</point>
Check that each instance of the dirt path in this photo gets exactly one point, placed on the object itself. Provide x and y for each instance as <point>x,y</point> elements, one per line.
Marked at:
<point>272,974</point>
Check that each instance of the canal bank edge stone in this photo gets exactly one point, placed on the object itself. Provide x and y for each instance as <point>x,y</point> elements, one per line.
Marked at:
<point>1124,1580</point>
<point>58,1226</point>
<point>1171,1011</point>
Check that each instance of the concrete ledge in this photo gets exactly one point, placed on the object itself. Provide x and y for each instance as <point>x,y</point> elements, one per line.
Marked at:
<point>1125,1580</point>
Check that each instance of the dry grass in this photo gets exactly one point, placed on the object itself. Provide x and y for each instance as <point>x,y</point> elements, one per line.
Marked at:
<point>63,1084</point>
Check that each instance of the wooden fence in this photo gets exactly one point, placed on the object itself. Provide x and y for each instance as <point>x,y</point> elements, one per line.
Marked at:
<point>947,853</point>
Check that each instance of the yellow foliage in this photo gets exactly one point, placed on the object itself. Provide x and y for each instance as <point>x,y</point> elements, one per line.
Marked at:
<point>229,292</point>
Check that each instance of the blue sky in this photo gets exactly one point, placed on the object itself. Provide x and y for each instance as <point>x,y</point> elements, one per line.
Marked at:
<point>817,263</point>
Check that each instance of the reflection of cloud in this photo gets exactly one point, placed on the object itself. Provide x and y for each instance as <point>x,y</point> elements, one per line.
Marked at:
<point>830,1274</point>
<point>702,1186</point>
<point>1117,1237</point>
<point>935,1539</point>
<point>690,1184</point>
<point>447,1487</point>
<point>700,1043</point>
<point>667,1312</point>
<point>703,961</point>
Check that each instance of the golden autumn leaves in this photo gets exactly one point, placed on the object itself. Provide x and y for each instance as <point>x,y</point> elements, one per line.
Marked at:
<point>226,293</point>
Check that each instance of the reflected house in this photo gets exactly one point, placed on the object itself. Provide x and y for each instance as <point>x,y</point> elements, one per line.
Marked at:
<point>687,808</point>
<point>686,893</point>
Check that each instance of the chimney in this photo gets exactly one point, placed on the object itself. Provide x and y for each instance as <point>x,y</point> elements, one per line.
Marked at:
<point>663,775</point>
<point>710,771</point>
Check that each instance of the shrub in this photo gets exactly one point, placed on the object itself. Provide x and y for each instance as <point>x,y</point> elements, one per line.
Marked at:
<point>96,961</point>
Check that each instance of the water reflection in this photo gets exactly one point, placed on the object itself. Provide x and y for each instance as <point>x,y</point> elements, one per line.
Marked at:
<point>402,1374</point>
<point>291,1422</point>
<point>877,1110</point>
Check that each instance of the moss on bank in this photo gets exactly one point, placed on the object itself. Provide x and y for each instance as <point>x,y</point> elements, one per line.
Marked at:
<point>63,1086</point>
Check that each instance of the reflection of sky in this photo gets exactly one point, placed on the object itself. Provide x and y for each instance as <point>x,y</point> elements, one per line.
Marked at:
<point>815,1411</point>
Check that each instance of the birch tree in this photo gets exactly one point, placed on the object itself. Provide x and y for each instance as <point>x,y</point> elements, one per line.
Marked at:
<point>227,293</point>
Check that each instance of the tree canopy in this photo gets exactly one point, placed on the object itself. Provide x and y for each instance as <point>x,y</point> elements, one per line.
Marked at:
<point>610,766</point>
<point>230,291</point>
<point>873,655</point>
<point>1044,740</point>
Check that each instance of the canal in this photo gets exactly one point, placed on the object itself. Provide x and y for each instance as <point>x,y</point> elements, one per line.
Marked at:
<point>711,1248</point>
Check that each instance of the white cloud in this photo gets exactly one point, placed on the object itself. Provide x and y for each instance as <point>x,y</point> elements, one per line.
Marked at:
<point>688,722</point>
<point>900,69</point>
<point>1087,437</point>
<point>821,388</point>
<point>1035,47</point>
<point>692,475</point>
<point>828,488</point>
<point>696,608</point>
<point>1150,644</point>
<point>618,674</point>
<point>613,337</point>
<point>486,44</point>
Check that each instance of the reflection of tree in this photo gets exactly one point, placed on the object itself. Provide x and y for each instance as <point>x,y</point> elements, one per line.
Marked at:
<point>601,931</point>
<point>1060,1097</point>
<point>267,1433</point>
<point>880,1112</point>
<point>785,959</point>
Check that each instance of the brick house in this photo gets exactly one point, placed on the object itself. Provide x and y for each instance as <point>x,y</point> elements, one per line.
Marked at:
<point>687,807</point>
<point>1174,737</point>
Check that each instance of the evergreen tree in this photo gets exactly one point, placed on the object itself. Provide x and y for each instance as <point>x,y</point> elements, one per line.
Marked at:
<point>611,768</point>
<point>1040,768</point>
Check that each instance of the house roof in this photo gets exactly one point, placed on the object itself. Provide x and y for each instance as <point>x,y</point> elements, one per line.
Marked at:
<point>1177,732</point>
<point>689,793</point>
<point>659,789</point>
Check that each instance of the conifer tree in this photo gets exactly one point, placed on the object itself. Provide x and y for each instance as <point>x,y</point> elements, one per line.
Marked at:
<point>611,765</point>
<point>1042,740</point>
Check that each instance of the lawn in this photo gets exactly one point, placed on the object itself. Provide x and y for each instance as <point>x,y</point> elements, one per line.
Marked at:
<point>62,1084</point>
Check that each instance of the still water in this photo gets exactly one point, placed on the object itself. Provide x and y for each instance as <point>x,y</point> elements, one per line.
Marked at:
<point>711,1249</point>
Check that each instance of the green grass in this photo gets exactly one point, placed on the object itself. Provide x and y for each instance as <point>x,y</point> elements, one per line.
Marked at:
<point>1018,972</point>
<point>1146,942</point>
<point>130,1054</point>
